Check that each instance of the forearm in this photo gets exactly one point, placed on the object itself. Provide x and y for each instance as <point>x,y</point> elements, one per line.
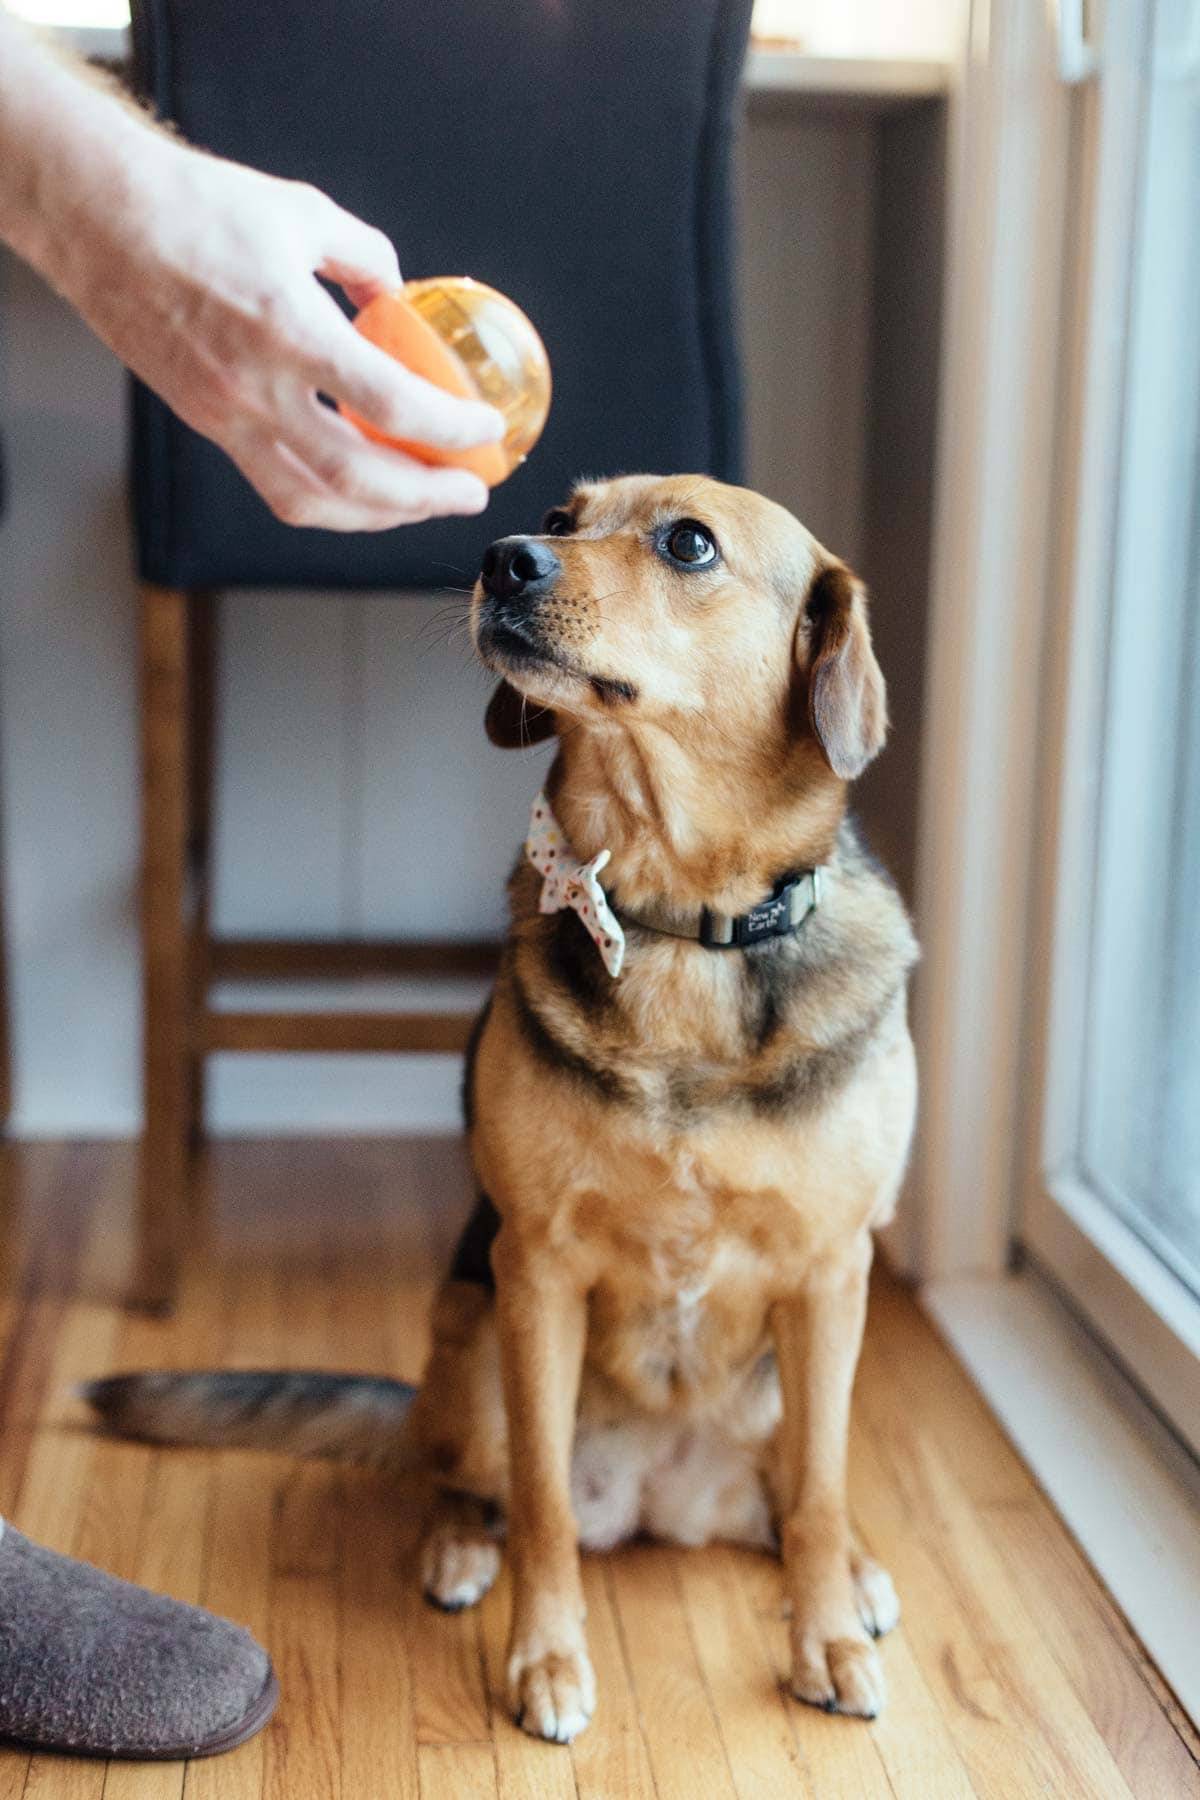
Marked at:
<point>70,148</point>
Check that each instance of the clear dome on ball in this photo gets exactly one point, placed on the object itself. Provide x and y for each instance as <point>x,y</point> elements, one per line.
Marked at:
<point>473,341</point>
<point>499,349</point>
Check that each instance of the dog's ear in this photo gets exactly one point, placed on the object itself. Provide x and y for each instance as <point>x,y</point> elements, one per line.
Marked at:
<point>513,722</point>
<point>847,699</point>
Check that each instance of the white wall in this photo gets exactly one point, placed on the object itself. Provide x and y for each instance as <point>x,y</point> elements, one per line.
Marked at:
<point>351,727</point>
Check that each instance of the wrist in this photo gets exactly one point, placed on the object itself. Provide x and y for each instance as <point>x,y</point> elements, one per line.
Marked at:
<point>86,185</point>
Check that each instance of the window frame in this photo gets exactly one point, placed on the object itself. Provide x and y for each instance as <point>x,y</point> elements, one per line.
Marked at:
<point>1025,363</point>
<point>1142,1309</point>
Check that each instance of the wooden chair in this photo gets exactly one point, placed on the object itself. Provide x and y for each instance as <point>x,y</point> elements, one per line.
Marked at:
<point>576,156</point>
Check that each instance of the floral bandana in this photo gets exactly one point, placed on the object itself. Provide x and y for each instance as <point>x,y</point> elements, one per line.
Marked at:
<point>568,882</point>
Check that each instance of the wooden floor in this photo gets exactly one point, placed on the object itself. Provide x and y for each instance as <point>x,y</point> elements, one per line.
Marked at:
<point>1012,1673</point>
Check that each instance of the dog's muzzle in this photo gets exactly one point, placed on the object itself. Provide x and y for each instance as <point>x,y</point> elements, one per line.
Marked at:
<point>517,574</point>
<point>518,570</point>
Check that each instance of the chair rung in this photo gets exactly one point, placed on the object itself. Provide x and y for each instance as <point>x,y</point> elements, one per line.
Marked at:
<point>316,1031</point>
<point>252,958</point>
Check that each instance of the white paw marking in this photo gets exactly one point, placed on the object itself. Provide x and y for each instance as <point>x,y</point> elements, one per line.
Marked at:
<point>840,1674</point>
<point>552,1696</point>
<point>876,1597</point>
<point>456,1574</point>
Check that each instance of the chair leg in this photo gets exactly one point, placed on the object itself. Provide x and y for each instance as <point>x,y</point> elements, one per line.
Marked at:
<point>165,940</point>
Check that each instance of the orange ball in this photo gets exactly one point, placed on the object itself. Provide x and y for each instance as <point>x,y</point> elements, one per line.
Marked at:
<point>467,338</point>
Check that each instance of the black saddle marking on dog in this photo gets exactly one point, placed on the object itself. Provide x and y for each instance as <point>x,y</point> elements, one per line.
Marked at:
<point>770,976</point>
<point>473,1253</point>
<point>470,1057</point>
<point>813,1078</point>
<point>551,1050</point>
<point>573,961</point>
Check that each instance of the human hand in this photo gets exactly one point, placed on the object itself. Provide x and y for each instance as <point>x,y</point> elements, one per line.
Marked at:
<point>200,275</point>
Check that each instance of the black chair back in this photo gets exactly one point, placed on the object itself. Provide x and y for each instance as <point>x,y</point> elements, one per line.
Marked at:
<point>573,153</point>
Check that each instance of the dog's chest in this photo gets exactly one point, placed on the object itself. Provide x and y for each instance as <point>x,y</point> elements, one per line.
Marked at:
<point>682,1308</point>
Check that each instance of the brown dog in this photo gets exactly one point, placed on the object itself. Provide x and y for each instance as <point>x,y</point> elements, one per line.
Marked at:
<point>653,1320</point>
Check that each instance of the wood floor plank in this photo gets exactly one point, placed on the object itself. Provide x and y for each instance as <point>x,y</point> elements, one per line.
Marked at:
<point>683,1740</point>
<point>958,1419</point>
<point>1095,1647</point>
<point>381,1251</point>
<point>240,1526</point>
<point>302,1754</point>
<point>907,1359</point>
<point>56,1493</point>
<point>47,1197</point>
<point>64,1778</point>
<point>1000,1656</point>
<point>457,1772</point>
<point>611,1758</point>
<point>1016,1646</point>
<point>379,1606</point>
<point>450,1692</point>
<point>914,1742</point>
<point>840,1756</point>
<point>764,1757</point>
<point>26,1374</point>
<point>996,1742</point>
<point>144,1781</point>
<point>14,1771</point>
<point>379,1733</point>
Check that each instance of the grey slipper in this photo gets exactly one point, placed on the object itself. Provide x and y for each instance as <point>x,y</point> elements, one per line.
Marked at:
<point>95,1666</point>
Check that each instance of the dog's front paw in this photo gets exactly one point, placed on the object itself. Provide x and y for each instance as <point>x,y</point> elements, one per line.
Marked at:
<point>840,1673</point>
<point>457,1571</point>
<point>552,1691</point>
<point>874,1595</point>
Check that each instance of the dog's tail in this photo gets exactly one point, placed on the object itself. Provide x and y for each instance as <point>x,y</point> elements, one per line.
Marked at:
<point>363,1418</point>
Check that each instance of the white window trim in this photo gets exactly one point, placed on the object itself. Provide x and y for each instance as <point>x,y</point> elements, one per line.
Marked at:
<point>993,542</point>
<point>1124,1487</point>
<point>1104,1266</point>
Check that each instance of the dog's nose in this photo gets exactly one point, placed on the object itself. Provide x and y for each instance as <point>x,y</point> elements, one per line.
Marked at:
<point>516,566</point>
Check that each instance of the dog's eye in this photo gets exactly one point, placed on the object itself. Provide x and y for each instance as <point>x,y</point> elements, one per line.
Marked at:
<point>690,544</point>
<point>557,523</point>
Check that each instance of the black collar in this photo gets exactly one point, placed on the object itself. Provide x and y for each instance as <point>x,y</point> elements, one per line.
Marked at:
<point>783,912</point>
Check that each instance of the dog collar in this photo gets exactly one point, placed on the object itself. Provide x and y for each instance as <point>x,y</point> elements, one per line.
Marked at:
<point>784,911</point>
<point>568,882</point>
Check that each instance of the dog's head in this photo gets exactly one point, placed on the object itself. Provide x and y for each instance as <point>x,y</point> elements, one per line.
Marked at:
<point>685,604</point>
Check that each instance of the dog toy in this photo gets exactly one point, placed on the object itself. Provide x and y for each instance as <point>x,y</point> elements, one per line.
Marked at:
<point>475,343</point>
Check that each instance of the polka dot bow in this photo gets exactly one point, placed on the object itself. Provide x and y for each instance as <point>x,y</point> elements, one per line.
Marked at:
<point>568,882</point>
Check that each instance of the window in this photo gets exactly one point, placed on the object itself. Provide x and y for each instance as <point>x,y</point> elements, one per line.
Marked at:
<point>1116,1215</point>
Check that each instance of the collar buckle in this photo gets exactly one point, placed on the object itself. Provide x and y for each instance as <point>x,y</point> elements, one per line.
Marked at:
<point>781,913</point>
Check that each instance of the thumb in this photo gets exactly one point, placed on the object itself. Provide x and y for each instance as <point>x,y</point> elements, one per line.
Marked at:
<point>359,258</point>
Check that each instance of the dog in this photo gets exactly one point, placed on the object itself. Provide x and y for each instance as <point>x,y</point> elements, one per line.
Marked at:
<point>690,1100</point>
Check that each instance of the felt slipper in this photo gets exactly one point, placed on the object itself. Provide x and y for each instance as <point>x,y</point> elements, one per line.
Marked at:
<point>94,1666</point>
